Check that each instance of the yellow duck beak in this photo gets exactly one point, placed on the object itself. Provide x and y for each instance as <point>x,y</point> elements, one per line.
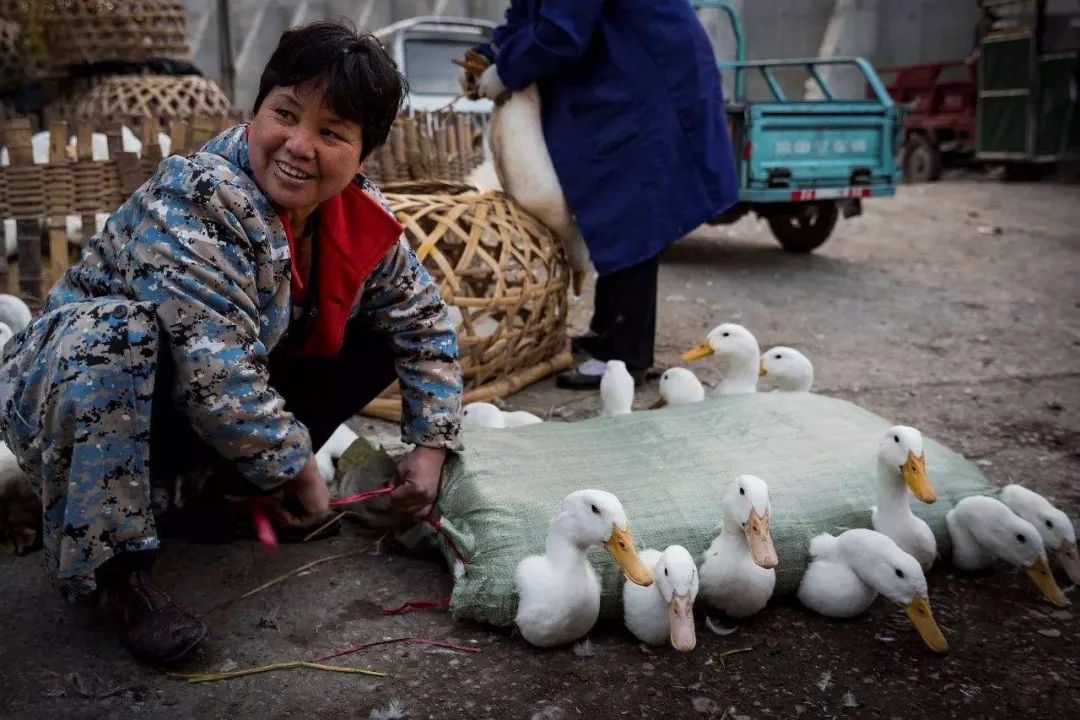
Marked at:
<point>918,612</point>
<point>759,537</point>
<point>681,623</point>
<point>914,473</point>
<point>762,371</point>
<point>1039,572</point>
<point>697,352</point>
<point>621,547</point>
<point>1070,560</point>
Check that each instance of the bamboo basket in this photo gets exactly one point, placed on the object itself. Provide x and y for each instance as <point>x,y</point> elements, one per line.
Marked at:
<point>505,278</point>
<point>90,31</point>
<point>123,98</point>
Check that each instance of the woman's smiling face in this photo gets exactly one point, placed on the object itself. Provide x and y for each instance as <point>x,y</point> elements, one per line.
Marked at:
<point>301,152</point>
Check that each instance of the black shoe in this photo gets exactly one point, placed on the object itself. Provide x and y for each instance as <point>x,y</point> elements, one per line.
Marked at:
<point>574,380</point>
<point>158,631</point>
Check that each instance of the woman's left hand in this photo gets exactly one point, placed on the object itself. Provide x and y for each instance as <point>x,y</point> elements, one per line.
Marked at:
<point>416,482</point>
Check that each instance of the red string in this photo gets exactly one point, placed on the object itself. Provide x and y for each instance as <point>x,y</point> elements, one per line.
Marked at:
<point>360,497</point>
<point>418,605</point>
<point>264,529</point>
<point>411,640</point>
<point>436,523</point>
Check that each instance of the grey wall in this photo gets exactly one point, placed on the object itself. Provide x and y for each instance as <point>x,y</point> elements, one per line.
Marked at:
<point>902,31</point>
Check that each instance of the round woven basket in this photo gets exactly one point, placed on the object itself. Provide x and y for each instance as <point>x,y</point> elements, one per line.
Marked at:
<point>88,31</point>
<point>505,278</point>
<point>166,97</point>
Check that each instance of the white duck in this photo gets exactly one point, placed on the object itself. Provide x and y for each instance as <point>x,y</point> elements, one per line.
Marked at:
<point>679,386</point>
<point>559,592</point>
<point>847,572</point>
<point>983,530</point>
<point>477,415</point>
<point>902,467</point>
<point>739,354</point>
<point>524,168</point>
<point>14,313</point>
<point>665,611</point>
<point>1058,533</point>
<point>737,575</point>
<point>616,389</point>
<point>5,334</point>
<point>332,450</point>
<point>787,369</point>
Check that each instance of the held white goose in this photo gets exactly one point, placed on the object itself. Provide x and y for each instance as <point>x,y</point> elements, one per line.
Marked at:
<point>616,390</point>
<point>664,611</point>
<point>524,168</point>
<point>787,369</point>
<point>14,313</point>
<point>679,386</point>
<point>477,415</point>
<point>559,592</point>
<point>847,572</point>
<point>737,575</point>
<point>1058,533</point>
<point>902,467</point>
<point>983,530</point>
<point>332,450</point>
<point>5,334</point>
<point>740,357</point>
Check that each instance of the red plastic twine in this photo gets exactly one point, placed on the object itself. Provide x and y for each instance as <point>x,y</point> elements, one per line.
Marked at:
<point>264,529</point>
<point>418,605</point>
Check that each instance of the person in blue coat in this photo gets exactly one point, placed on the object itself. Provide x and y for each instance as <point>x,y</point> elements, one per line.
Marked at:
<point>633,117</point>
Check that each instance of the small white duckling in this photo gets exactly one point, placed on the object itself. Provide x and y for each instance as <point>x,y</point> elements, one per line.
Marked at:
<point>332,450</point>
<point>737,575</point>
<point>14,313</point>
<point>848,571</point>
<point>665,611</point>
<point>616,389</point>
<point>558,592</point>
<point>679,386</point>
<point>983,529</point>
<point>902,466</point>
<point>1058,533</point>
<point>787,369</point>
<point>739,354</point>
<point>486,415</point>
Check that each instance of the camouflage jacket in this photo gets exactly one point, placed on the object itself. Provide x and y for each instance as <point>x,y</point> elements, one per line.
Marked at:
<point>203,244</point>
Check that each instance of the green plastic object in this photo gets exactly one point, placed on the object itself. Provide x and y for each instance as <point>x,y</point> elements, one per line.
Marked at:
<point>671,469</point>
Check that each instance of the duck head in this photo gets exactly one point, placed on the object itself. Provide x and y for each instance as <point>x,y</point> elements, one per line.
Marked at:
<point>1016,541</point>
<point>899,577</point>
<point>596,517</point>
<point>679,386</point>
<point>747,508</point>
<point>676,578</point>
<point>729,341</point>
<point>787,369</point>
<point>1055,528</point>
<point>900,453</point>
<point>481,415</point>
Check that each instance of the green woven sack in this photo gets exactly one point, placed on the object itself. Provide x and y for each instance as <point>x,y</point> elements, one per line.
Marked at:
<point>670,468</point>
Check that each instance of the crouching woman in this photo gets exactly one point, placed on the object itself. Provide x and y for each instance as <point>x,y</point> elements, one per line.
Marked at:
<point>239,306</point>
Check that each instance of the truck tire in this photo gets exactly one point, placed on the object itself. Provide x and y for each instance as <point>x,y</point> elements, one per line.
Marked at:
<point>803,227</point>
<point>922,160</point>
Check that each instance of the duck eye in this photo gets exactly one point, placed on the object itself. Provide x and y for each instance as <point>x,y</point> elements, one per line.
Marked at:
<point>779,356</point>
<point>742,491</point>
<point>899,573</point>
<point>727,334</point>
<point>596,510</point>
<point>1020,538</point>
<point>1049,524</point>
<point>896,438</point>
<point>665,572</point>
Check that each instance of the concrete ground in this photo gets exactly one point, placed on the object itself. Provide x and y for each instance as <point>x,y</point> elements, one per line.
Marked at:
<point>952,307</point>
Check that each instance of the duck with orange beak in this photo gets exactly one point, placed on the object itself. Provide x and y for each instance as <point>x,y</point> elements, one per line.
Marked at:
<point>664,611</point>
<point>1057,531</point>
<point>847,573</point>
<point>559,591</point>
<point>738,354</point>
<point>737,575</point>
<point>902,470</point>
<point>984,530</point>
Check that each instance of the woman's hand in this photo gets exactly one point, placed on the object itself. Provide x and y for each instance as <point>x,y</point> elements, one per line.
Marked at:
<point>310,491</point>
<point>416,482</point>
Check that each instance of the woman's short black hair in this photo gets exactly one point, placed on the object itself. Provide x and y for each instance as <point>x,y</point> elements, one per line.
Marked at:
<point>361,81</point>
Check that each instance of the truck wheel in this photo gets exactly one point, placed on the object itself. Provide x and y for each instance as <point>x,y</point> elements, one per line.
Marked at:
<point>802,228</point>
<point>922,161</point>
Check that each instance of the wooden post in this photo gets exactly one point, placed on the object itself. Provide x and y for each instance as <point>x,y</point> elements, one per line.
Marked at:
<point>59,201</point>
<point>26,194</point>
<point>84,153</point>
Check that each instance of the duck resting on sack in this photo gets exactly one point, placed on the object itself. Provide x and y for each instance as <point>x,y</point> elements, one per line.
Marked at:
<point>234,311</point>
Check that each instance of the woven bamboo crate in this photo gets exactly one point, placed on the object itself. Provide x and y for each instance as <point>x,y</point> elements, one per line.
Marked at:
<point>89,31</point>
<point>505,278</point>
<point>121,98</point>
<point>424,145</point>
